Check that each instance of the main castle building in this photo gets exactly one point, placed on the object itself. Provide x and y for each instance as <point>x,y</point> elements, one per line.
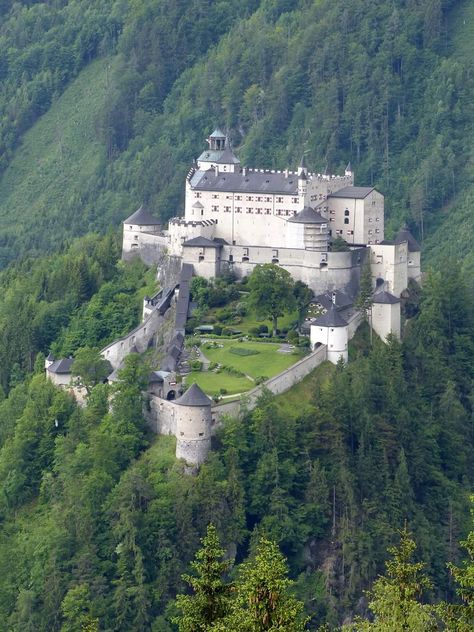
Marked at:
<point>236,218</point>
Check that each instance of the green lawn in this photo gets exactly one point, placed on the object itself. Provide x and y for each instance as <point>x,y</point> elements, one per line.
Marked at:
<point>268,361</point>
<point>299,397</point>
<point>212,382</point>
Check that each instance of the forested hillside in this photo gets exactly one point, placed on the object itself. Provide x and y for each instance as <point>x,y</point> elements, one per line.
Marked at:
<point>387,86</point>
<point>103,105</point>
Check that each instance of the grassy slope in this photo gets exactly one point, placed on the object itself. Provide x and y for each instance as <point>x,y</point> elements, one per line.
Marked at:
<point>456,220</point>
<point>56,159</point>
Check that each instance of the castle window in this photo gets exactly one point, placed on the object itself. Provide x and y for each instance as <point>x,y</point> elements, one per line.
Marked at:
<point>259,211</point>
<point>294,200</point>
<point>214,208</point>
<point>379,259</point>
<point>346,212</point>
<point>259,199</point>
<point>245,259</point>
<point>373,202</point>
<point>197,194</point>
<point>238,197</point>
<point>231,258</point>
<point>377,219</point>
<point>268,199</point>
<point>346,220</point>
<point>201,434</point>
<point>250,209</point>
<point>215,196</point>
<point>279,199</point>
<point>201,258</point>
<point>267,211</point>
<point>226,209</point>
<point>370,231</point>
<point>238,209</point>
<point>370,220</point>
<point>249,198</point>
<point>245,252</point>
<point>377,230</point>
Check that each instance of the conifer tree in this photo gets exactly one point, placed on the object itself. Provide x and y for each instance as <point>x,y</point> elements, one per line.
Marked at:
<point>395,597</point>
<point>263,600</point>
<point>211,599</point>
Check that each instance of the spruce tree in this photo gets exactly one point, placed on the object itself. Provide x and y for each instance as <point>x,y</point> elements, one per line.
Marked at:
<point>210,601</point>
<point>263,599</point>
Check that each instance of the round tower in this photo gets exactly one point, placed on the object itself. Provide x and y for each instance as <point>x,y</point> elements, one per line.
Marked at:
<point>307,230</point>
<point>193,426</point>
<point>331,330</point>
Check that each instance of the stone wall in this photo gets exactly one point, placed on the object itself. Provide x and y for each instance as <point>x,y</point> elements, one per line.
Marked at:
<point>146,245</point>
<point>277,384</point>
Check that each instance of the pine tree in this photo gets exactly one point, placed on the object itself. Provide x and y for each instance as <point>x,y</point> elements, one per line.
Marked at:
<point>395,597</point>
<point>211,599</point>
<point>263,599</point>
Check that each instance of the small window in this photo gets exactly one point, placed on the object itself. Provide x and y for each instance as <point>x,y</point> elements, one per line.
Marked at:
<point>201,257</point>
<point>346,220</point>
<point>346,212</point>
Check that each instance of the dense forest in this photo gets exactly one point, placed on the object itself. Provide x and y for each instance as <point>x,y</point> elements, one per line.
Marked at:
<point>103,105</point>
<point>97,518</point>
<point>385,85</point>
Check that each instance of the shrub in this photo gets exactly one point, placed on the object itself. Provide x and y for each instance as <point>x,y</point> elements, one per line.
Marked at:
<point>260,379</point>
<point>195,365</point>
<point>213,366</point>
<point>254,331</point>
<point>262,329</point>
<point>223,391</point>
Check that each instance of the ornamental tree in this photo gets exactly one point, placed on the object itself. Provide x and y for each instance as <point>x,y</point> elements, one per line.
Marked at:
<point>271,292</point>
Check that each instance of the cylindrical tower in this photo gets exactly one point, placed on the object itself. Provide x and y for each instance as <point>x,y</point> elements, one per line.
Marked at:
<point>193,426</point>
<point>331,330</point>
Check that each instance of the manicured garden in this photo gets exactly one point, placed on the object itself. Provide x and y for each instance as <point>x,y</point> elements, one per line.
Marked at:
<point>237,367</point>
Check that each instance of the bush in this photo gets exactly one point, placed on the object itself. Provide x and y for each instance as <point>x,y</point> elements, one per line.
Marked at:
<point>213,366</point>
<point>260,379</point>
<point>223,391</point>
<point>254,331</point>
<point>195,365</point>
<point>263,329</point>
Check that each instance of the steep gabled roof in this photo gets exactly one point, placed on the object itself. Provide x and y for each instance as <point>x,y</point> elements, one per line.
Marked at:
<point>330,319</point>
<point>228,158</point>
<point>62,366</point>
<point>405,235</point>
<point>142,217</point>
<point>385,297</point>
<point>194,396</point>
<point>197,205</point>
<point>308,216</point>
<point>358,193</point>
<point>245,181</point>
<point>202,242</point>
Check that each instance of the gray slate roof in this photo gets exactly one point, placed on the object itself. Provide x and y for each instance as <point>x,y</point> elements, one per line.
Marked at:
<point>219,156</point>
<point>342,299</point>
<point>217,133</point>
<point>194,396</point>
<point>405,235</point>
<point>202,242</point>
<point>142,217</point>
<point>385,297</point>
<point>358,193</point>
<point>251,182</point>
<point>61,366</point>
<point>308,216</point>
<point>330,319</point>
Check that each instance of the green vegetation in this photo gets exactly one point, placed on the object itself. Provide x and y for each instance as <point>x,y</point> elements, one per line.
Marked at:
<point>268,360</point>
<point>271,292</point>
<point>212,383</point>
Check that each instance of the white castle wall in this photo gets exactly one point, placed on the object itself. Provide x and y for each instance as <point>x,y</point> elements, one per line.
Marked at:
<point>390,263</point>
<point>145,244</point>
<point>386,319</point>
<point>193,433</point>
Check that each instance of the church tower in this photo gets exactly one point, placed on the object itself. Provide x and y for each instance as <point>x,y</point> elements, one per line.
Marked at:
<point>219,155</point>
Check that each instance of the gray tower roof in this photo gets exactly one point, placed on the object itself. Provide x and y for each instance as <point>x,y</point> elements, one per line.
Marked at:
<point>217,133</point>
<point>62,366</point>
<point>308,216</point>
<point>194,396</point>
<point>385,297</point>
<point>358,193</point>
<point>143,217</point>
<point>330,319</point>
<point>405,235</point>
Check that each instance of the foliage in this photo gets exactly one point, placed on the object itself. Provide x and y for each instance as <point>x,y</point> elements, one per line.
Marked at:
<point>211,598</point>
<point>271,292</point>
<point>395,598</point>
<point>263,600</point>
<point>91,367</point>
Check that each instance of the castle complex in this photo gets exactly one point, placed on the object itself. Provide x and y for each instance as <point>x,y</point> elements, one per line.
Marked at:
<point>236,218</point>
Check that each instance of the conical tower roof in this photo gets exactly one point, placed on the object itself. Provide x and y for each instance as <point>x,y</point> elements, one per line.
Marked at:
<point>330,319</point>
<point>143,217</point>
<point>308,216</point>
<point>217,133</point>
<point>194,396</point>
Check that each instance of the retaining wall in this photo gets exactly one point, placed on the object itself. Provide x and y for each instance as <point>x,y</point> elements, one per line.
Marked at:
<point>277,384</point>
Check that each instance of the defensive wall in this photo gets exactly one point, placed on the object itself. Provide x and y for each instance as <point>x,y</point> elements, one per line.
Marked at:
<point>148,246</point>
<point>276,385</point>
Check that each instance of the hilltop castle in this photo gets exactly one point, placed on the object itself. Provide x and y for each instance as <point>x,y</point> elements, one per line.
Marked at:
<point>234,219</point>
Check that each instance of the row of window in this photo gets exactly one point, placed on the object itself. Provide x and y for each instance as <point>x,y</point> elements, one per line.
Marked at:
<point>250,198</point>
